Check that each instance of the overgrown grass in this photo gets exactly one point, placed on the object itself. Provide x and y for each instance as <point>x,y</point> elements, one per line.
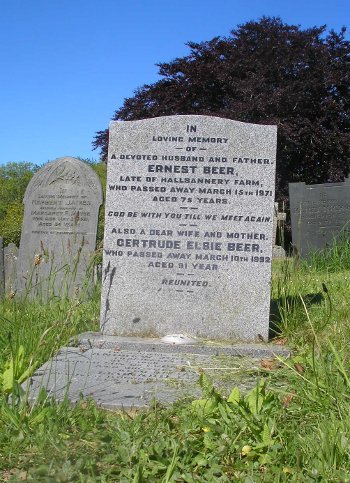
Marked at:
<point>313,296</point>
<point>41,329</point>
<point>334,258</point>
<point>293,426</point>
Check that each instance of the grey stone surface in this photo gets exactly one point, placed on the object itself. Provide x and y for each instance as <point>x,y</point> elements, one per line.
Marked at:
<point>59,228</point>
<point>2,269</point>
<point>10,263</point>
<point>319,214</point>
<point>188,230</point>
<point>279,218</point>
<point>278,252</point>
<point>127,372</point>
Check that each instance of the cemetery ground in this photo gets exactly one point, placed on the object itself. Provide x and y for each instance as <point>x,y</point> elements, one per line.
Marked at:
<point>294,425</point>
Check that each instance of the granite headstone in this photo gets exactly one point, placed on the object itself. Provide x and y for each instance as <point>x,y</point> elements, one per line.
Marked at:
<point>58,236</point>
<point>320,213</point>
<point>188,228</point>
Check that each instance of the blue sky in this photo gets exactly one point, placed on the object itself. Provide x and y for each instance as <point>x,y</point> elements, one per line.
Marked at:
<point>67,65</point>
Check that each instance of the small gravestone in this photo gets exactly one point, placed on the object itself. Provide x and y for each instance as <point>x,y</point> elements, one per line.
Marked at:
<point>58,237</point>
<point>189,228</point>
<point>2,270</point>
<point>10,263</point>
<point>279,219</point>
<point>320,213</point>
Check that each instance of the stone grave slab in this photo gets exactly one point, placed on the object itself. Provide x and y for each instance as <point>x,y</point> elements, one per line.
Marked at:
<point>189,228</point>
<point>132,372</point>
<point>319,214</point>
<point>59,229</point>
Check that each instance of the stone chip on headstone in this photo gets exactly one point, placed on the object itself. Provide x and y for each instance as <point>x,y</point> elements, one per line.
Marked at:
<point>58,236</point>
<point>189,228</point>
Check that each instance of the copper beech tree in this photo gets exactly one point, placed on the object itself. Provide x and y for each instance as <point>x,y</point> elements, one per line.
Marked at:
<point>265,72</point>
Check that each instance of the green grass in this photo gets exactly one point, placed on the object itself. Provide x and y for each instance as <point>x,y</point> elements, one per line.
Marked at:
<point>43,328</point>
<point>293,426</point>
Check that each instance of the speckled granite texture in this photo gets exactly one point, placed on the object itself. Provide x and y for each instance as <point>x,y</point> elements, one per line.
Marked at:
<point>188,230</point>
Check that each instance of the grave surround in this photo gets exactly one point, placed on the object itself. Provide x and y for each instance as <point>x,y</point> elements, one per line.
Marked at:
<point>188,228</point>
<point>59,228</point>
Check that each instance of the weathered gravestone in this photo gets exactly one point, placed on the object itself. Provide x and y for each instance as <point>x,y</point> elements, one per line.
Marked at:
<point>2,269</point>
<point>188,229</point>
<point>10,264</point>
<point>279,219</point>
<point>58,237</point>
<point>319,214</point>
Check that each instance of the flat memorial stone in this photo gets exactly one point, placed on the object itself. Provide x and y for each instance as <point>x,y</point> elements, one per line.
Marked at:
<point>130,372</point>
<point>188,228</point>
<point>58,237</point>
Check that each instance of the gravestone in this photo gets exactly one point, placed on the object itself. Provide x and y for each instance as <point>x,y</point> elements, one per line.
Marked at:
<point>188,228</point>
<point>59,228</point>
<point>279,219</point>
<point>2,270</point>
<point>319,214</point>
<point>10,263</point>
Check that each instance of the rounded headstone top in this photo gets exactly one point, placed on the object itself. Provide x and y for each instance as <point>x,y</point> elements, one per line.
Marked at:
<point>66,171</point>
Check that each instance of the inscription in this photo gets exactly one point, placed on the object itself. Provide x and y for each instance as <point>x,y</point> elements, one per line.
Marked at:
<point>154,181</point>
<point>60,213</point>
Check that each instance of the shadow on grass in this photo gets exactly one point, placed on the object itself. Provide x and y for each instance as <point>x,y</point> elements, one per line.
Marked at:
<point>292,301</point>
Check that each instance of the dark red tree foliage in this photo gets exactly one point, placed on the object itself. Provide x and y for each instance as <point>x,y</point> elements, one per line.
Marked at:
<point>266,72</point>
